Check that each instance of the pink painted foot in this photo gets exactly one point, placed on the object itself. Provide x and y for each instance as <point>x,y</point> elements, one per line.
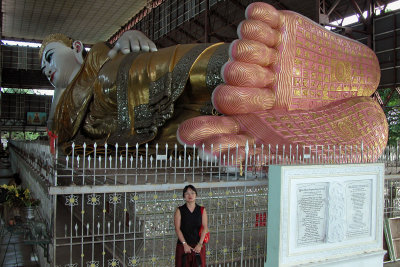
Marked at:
<point>291,82</point>
<point>302,64</point>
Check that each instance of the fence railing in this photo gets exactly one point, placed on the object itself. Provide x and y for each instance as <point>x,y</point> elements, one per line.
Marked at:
<point>38,156</point>
<point>114,206</point>
<point>135,165</point>
<point>137,228</point>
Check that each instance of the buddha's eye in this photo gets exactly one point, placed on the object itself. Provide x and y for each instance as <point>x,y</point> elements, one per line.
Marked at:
<point>49,56</point>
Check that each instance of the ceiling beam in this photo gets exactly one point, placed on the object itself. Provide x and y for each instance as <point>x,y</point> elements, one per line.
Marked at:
<point>238,4</point>
<point>198,23</point>
<point>187,34</point>
<point>281,5</point>
<point>169,38</point>
<point>224,20</point>
<point>357,9</point>
<point>207,22</point>
<point>213,34</point>
<point>333,7</point>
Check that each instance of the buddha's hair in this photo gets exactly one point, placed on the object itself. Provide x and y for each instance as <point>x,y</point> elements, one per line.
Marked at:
<point>55,37</point>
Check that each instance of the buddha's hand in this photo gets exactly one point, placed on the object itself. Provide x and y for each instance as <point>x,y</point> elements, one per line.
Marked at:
<point>132,41</point>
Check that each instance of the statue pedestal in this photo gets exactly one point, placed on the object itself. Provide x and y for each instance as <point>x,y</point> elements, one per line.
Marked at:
<point>325,215</point>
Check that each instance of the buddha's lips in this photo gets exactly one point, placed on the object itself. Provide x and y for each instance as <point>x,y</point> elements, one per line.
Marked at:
<point>52,77</point>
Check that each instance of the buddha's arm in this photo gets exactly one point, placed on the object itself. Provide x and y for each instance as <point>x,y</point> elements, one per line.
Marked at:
<point>135,95</point>
<point>56,97</point>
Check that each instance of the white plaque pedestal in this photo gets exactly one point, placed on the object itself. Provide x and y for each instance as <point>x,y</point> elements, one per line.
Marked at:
<point>325,215</point>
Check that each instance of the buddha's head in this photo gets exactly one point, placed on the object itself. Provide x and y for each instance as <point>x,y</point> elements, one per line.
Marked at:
<point>61,59</point>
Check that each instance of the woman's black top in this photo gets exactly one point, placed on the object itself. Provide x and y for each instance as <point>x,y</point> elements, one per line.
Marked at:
<point>190,224</point>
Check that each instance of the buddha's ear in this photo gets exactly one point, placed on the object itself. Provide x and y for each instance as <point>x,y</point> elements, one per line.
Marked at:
<point>77,46</point>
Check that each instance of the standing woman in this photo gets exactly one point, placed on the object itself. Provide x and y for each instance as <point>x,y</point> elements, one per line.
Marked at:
<point>190,250</point>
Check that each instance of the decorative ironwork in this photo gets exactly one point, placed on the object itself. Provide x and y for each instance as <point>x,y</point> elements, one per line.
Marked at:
<point>124,210</point>
<point>92,264</point>
<point>113,262</point>
<point>93,199</point>
<point>71,200</point>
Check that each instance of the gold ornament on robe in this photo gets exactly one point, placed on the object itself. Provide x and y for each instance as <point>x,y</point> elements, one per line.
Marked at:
<point>140,96</point>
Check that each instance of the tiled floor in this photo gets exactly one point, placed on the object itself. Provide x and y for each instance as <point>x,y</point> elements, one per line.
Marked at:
<point>13,251</point>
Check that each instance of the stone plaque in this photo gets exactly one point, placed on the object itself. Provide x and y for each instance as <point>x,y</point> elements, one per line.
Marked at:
<point>326,215</point>
<point>311,213</point>
<point>358,207</point>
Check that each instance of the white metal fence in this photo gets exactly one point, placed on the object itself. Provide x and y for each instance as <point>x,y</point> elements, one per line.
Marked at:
<point>137,229</point>
<point>143,165</point>
<point>113,206</point>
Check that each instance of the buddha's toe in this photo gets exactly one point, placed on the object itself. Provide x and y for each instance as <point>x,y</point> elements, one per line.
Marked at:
<point>250,51</point>
<point>194,131</point>
<point>266,13</point>
<point>259,31</point>
<point>244,74</point>
<point>231,100</point>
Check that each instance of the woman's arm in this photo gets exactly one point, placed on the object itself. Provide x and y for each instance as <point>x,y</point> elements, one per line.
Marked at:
<point>204,222</point>
<point>177,223</point>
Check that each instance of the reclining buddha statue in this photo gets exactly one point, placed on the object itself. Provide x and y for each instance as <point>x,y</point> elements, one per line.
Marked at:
<point>285,80</point>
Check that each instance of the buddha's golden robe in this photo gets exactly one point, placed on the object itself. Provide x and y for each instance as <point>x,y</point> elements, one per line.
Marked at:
<point>139,97</point>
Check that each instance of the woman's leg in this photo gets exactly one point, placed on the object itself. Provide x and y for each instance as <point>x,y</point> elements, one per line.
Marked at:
<point>203,256</point>
<point>179,252</point>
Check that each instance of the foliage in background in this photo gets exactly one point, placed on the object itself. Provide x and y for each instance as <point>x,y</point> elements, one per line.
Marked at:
<point>17,196</point>
<point>22,136</point>
<point>392,112</point>
<point>27,91</point>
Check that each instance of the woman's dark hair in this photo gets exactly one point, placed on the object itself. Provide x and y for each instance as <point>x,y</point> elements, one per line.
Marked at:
<point>186,189</point>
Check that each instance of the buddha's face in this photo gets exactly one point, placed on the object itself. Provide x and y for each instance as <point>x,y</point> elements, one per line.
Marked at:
<point>60,63</point>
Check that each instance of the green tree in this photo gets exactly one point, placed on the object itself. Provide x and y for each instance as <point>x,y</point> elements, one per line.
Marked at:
<point>392,112</point>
